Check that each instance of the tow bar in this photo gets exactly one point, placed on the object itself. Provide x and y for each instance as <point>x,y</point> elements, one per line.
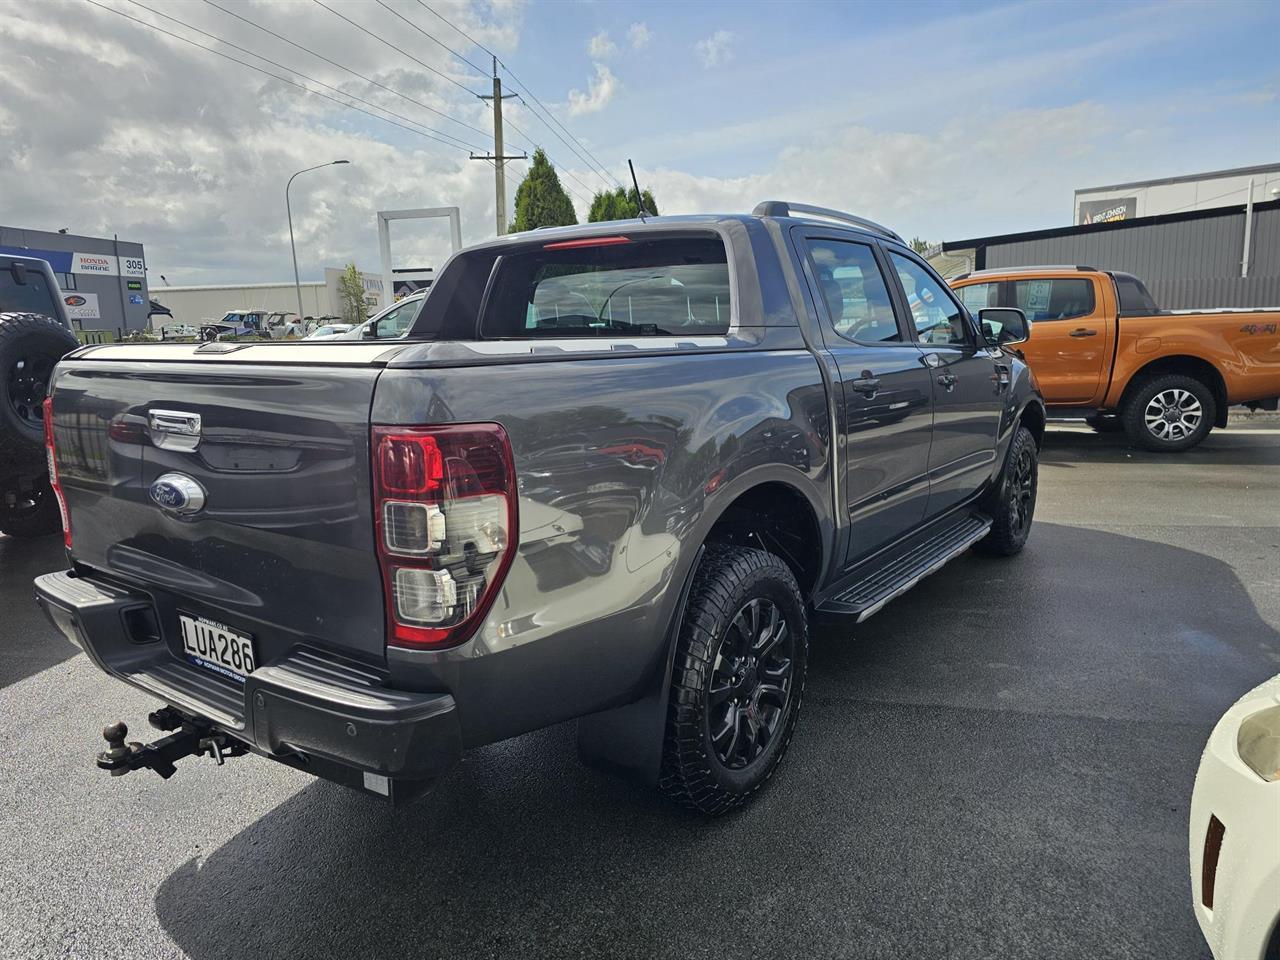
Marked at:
<point>193,738</point>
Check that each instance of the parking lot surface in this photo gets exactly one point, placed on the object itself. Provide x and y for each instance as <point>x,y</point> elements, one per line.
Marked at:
<point>998,764</point>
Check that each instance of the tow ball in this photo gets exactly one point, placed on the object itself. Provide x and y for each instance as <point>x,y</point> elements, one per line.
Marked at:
<point>190,738</point>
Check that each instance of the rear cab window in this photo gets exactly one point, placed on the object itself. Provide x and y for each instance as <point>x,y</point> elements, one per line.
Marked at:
<point>652,286</point>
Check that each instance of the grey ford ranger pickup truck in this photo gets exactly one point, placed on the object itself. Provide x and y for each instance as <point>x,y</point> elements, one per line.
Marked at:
<point>612,474</point>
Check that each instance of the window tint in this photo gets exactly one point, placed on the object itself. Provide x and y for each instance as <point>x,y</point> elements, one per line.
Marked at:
<point>854,290</point>
<point>33,296</point>
<point>978,295</point>
<point>655,287</point>
<point>938,318</point>
<point>1135,299</point>
<point>1059,298</point>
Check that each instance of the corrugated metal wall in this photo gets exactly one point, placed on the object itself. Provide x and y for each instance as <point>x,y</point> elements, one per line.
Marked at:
<point>1191,264</point>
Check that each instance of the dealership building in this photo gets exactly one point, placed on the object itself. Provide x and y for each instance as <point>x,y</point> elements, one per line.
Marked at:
<point>1199,242</point>
<point>103,279</point>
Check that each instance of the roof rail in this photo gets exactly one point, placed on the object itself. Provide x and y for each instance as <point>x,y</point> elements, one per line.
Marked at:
<point>784,208</point>
<point>1036,268</point>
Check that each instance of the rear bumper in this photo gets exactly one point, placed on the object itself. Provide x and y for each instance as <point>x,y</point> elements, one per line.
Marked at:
<point>310,708</point>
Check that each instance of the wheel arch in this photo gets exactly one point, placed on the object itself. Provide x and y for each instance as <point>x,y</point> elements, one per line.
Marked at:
<point>628,740</point>
<point>1189,366</point>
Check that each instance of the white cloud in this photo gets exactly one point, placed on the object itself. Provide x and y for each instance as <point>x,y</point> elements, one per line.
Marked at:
<point>639,35</point>
<point>716,49</point>
<point>601,47</point>
<point>1015,168</point>
<point>141,135</point>
<point>600,91</point>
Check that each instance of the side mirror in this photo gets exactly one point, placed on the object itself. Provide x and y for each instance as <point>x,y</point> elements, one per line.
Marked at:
<point>370,332</point>
<point>1004,326</point>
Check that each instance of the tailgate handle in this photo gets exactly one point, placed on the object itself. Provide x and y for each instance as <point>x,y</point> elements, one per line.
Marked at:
<point>174,429</point>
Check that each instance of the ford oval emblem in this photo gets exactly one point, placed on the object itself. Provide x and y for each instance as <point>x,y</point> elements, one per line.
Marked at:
<point>178,493</point>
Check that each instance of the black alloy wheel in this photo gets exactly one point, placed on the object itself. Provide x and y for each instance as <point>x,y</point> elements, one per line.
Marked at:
<point>750,687</point>
<point>28,380</point>
<point>737,680</point>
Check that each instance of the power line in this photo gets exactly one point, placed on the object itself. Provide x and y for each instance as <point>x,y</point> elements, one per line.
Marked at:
<point>320,56</point>
<point>567,172</point>
<point>597,169</point>
<point>459,141</point>
<point>403,53</point>
<point>292,83</point>
<point>397,13</point>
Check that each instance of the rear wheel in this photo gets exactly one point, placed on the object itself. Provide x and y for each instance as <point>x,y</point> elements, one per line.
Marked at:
<point>1169,413</point>
<point>737,680</point>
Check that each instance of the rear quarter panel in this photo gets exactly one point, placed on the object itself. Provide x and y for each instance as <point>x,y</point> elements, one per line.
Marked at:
<point>622,464</point>
<point>1244,347</point>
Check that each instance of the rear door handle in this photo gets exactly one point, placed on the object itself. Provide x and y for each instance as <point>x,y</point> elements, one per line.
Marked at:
<point>1082,332</point>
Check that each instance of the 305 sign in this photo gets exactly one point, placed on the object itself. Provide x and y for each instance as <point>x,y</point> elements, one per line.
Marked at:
<point>132,267</point>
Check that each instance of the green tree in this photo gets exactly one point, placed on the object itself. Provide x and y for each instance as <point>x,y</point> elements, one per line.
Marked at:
<point>920,246</point>
<point>620,204</point>
<point>351,296</point>
<point>540,199</point>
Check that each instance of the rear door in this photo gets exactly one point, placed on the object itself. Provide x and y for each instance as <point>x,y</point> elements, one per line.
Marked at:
<point>886,416</point>
<point>282,549</point>
<point>967,389</point>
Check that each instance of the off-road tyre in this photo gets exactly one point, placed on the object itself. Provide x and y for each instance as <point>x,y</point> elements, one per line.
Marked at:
<point>730,581</point>
<point>1171,392</point>
<point>30,344</point>
<point>36,517</point>
<point>1013,504</point>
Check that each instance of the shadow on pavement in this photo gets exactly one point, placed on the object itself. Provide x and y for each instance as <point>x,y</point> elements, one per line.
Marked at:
<point>28,643</point>
<point>1220,448</point>
<point>999,764</point>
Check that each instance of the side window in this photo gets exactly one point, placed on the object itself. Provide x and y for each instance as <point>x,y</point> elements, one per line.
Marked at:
<point>1059,298</point>
<point>939,319</point>
<point>394,322</point>
<point>978,295</point>
<point>851,284</point>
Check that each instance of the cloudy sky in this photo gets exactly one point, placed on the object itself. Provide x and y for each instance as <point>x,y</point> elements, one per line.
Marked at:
<point>944,120</point>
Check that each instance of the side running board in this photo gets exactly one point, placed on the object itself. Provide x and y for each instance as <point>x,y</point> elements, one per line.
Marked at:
<point>883,577</point>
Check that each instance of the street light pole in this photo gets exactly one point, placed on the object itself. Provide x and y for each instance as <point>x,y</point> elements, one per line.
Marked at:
<point>297,283</point>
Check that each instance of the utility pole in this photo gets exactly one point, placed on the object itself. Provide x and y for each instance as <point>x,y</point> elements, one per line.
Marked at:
<point>498,157</point>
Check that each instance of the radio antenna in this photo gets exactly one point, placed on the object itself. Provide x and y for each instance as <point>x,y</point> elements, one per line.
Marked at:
<point>636,183</point>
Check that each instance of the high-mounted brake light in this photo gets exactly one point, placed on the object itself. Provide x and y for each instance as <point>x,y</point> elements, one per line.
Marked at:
<point>55,485</point>
<point>586,242</point>
<point>445,508</point>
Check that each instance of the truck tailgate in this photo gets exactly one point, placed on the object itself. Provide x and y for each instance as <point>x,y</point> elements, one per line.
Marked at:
<point>282,549</point>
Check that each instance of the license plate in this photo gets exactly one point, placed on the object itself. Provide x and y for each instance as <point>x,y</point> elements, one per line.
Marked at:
<point>219,648</point>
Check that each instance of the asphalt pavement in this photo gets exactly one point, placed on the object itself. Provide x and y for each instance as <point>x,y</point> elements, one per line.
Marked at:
<point>999,764</point>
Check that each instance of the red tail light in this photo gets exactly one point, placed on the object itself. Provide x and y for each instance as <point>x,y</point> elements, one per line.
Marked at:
<point>445,508</point>
<point>51,455</point>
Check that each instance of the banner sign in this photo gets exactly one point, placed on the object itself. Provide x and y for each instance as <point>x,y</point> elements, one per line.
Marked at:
<point>1107,211</point>
<point>94,263</point>
<point>82,306</point>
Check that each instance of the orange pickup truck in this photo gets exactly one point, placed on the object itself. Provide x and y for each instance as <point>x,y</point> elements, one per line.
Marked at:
<point>1101,348</point>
